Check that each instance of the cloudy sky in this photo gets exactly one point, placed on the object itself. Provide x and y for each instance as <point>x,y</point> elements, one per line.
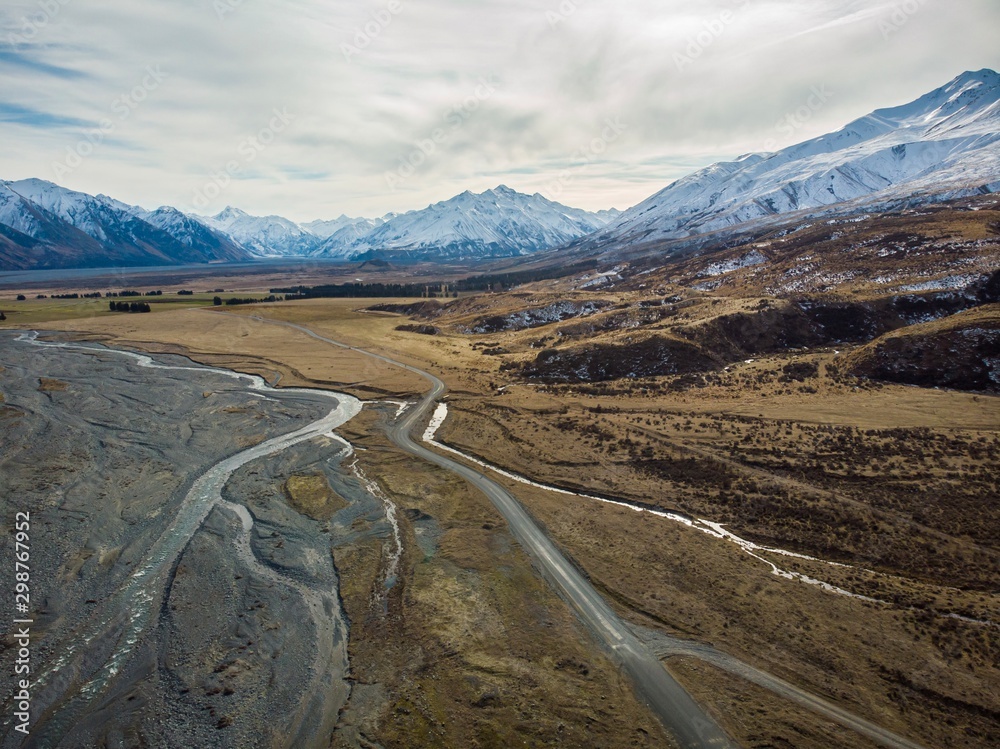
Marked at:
<point>310,109</point>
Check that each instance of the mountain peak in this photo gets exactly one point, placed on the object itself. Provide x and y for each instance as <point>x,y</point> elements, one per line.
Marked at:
<point>968,94</point>
<point>230,212</point>
<point>986,75</point>
<point>983,82</point>
<point>38,183</point>
<point>500,222</point>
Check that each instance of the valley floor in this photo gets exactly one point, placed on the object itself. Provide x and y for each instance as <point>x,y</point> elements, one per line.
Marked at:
<point>884,492</point>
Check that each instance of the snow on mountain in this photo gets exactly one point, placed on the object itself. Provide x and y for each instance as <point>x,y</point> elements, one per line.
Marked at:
<point>326,229</point>
<point>32,237</point>
<point>191,233</point>
<point>495,223</point>
<point>340,235</point>
<point>188,231</point>
<point>45,225</point>
<point>340,244</point>
<point>17,213</point>
<point>73,228</point>
<point>93,216</point>
<point>943,145</point>
<point>264,236</point>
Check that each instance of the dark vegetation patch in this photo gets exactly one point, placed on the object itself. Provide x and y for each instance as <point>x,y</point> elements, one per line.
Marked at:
<point>427,309</point>
<point>692,471</point>
<point>811,322</point>
<point>799,372</point>
<point>966,358</point>
<point>491,282</point>
<point>419,329</point>
<point>652,357</point>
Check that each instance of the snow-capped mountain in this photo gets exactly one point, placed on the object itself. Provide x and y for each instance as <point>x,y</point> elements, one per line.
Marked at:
<point>44,225</point>
<point>945,144</point>
<point>340,235</point>
<point>495,223</point>
<point>341,243</point>
<point>264,236</point>
<point>194,234</point>
<point>185,229</point>
<point>102,220</point>
<point>326,229</point>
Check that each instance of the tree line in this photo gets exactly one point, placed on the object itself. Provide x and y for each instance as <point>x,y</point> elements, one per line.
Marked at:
<point>247,300</point>
<point>129,307</point>
<point>491,282</point>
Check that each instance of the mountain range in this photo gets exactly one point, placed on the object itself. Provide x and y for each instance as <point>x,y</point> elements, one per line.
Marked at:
<point>496,223</point>
<point>43,225</point>
<point>944,145</point>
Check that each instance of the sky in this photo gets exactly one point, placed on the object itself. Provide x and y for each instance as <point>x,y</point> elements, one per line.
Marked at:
<point>313,109</point>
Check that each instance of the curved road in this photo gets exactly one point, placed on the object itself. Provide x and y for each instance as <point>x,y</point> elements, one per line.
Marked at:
<point>666,647</point>
<point>679,713</point>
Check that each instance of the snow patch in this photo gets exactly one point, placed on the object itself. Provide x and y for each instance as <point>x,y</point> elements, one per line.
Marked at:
<point>437,420</point>
<point>728,266</point>
<point>714,530</point>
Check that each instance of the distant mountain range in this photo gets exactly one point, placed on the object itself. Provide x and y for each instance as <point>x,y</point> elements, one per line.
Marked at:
<point>496,223</point>
<point>943,145</point>
<point>43,225</point>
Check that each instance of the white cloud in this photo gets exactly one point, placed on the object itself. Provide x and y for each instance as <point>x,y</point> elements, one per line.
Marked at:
<point>355,116</point>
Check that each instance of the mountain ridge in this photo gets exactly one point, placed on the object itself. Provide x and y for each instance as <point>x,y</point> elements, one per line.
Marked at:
<point>945,143</point>
<point>48,226</point>
<point>495,223</point>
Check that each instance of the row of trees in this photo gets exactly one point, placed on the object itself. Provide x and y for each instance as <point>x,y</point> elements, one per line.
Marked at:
<point>129,307</point>
<point>235,302</point>
<point>99,295</point>
<point>493,282</point>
